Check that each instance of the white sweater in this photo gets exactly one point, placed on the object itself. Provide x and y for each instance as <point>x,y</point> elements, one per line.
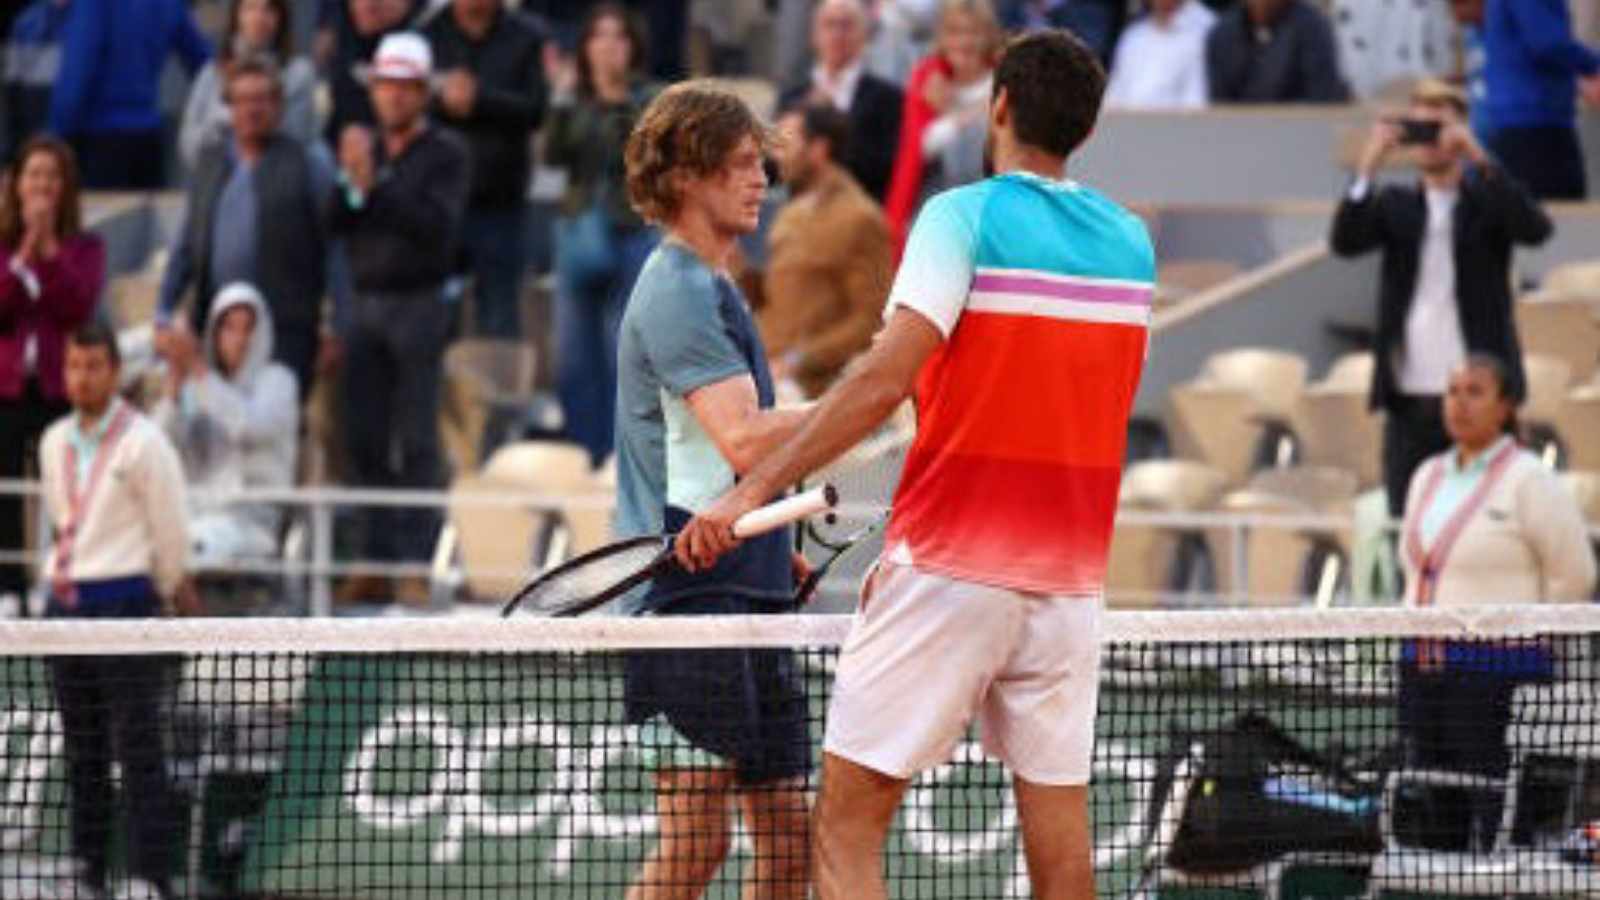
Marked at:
<point>135,520</point>
<point>1526,544</point>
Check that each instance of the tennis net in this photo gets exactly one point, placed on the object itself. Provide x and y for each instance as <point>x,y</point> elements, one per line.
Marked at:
<point>1280,753</point>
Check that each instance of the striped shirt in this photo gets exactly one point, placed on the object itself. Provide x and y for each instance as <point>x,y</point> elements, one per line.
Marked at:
<point>1042,290</point>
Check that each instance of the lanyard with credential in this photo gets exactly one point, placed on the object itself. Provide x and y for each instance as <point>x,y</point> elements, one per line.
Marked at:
<point>1430,561</point>
<point>78,503</point>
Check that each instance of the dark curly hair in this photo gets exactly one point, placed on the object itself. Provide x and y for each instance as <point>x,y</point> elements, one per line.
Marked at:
<point>689,128</point>
<point>1054,84</point>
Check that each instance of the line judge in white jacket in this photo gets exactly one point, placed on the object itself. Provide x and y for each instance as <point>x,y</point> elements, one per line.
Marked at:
<point>115,495</point>
<point>1486,523</point>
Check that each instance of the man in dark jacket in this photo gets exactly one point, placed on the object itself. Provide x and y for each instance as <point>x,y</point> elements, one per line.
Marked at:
<point>493,93</point>
<point>1445,290</point>
<point>357,26</point>
<point>839,37</point>
<point>1274,51</point>
<point>402,197</point>
<point>257,213</point>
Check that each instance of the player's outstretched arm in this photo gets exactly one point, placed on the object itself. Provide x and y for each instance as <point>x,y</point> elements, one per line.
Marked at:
<point>744,433</point>
<point>869,391</point>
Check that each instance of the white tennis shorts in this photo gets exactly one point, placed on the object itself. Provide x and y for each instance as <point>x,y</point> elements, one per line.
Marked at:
<point>927,653</point>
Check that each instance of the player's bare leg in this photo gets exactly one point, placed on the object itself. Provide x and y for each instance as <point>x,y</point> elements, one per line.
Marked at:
<point>854,811</point>
<point>1055,838</point>
<point>779,818</point>
<point>692,806</point>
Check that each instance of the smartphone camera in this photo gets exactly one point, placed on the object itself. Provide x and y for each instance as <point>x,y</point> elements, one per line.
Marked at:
<point>1419,132</point>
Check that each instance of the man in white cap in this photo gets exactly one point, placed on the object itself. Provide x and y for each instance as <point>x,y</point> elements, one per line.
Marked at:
<point>399,206</point>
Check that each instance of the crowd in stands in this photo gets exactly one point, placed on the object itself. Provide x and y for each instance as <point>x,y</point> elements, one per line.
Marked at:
<point>353,169</point>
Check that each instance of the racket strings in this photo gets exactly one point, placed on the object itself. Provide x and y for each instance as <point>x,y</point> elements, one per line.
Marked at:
<point>585,578</point>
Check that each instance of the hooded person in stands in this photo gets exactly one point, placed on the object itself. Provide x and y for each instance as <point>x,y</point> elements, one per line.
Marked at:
<point>114,491</point>
<point>233,414</point>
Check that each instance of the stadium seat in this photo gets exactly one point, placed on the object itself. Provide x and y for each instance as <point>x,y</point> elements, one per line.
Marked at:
<point>1576,279</point>
<point>1579,426</point>
<point>1560,327</point>
<point>496,546</point>
<point>481,375</point>
<point>1141,567</point>
<point>1240,399</point>
<point>1337,426</point>
<point>1549,379</point>
<point>1284,566</point>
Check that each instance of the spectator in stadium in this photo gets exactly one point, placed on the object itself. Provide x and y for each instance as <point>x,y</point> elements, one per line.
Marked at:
<point>105,101</point>
<point>1445,290</point>
<point>600,240</point>
<point>493,94</point>
<point>987,601</point>
<point>358,31</point>
<point>942,124</point>
<point>1486,523</point>
<point>233,415</point>
<point>1525,95</point>
<point>1160,61</point>
<point>696,407</point>
<point>51,273</point>
<point>829,263</point>
<point>1097,22</point>
<point>31,63</point>
<point>839,39</point>
<point>256,29</point>
<point>1274,51</point>
<point>257,212</point>
<point>403,192</point>
<point>114,491</point>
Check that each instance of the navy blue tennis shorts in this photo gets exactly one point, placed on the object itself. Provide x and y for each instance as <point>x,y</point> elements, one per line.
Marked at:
<point>745,707</point>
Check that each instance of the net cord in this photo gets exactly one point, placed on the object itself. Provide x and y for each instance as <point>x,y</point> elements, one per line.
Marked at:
<point>484,632</point>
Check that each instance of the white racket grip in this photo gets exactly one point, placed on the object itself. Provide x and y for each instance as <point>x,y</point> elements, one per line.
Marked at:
<point>789,509</point>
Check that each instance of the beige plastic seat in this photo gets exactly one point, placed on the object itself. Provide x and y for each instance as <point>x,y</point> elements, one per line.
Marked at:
<point>757,93</point>
<point>1337,426</point>
<point>131,299</point>
<point>478,373</point>
<point>1549,379</point>
<point>1561,327</point>
<point>1579,425</point>
<point>1585,486</point>
<point>496,545</point>
<point>1275,557</point>
<point>1575,279</point>
<point>1219,417</point>
<point>1142,555</point>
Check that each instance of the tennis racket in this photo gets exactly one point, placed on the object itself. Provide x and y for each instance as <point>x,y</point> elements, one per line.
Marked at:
<point>860,538</point>
<point>601,575</point>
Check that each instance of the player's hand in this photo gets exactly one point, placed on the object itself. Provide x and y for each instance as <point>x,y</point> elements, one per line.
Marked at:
<point>1589,89</point>
<point>709,535</point>
<point>186,601</point>
<point>800,567</point>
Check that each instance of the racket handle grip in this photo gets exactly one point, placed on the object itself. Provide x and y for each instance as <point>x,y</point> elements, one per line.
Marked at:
<point>790,509</point>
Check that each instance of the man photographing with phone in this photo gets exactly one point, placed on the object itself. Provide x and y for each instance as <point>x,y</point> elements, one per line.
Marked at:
<point>1445,288</point>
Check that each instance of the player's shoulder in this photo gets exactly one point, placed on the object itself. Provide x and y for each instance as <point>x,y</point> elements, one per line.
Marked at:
<point>673,280</point>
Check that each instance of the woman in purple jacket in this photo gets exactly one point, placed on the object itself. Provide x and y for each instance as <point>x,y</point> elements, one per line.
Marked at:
<point>51,272</point>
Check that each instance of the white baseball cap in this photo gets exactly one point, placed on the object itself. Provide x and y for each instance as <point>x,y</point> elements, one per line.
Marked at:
<point>402,56</point>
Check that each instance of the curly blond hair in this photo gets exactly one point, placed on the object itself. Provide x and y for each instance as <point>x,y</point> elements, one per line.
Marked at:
<point>688,129</point>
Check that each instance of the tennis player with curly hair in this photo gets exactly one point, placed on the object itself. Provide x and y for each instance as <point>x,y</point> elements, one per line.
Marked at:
<point>695,411</point>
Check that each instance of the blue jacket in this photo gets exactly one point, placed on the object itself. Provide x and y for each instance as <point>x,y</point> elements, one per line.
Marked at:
<point>32,64</point>
<point>1531,63</point>
<point>113,52</point>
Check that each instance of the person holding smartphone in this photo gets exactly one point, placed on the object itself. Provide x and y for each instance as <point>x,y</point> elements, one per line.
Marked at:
<point>1445,291</point>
